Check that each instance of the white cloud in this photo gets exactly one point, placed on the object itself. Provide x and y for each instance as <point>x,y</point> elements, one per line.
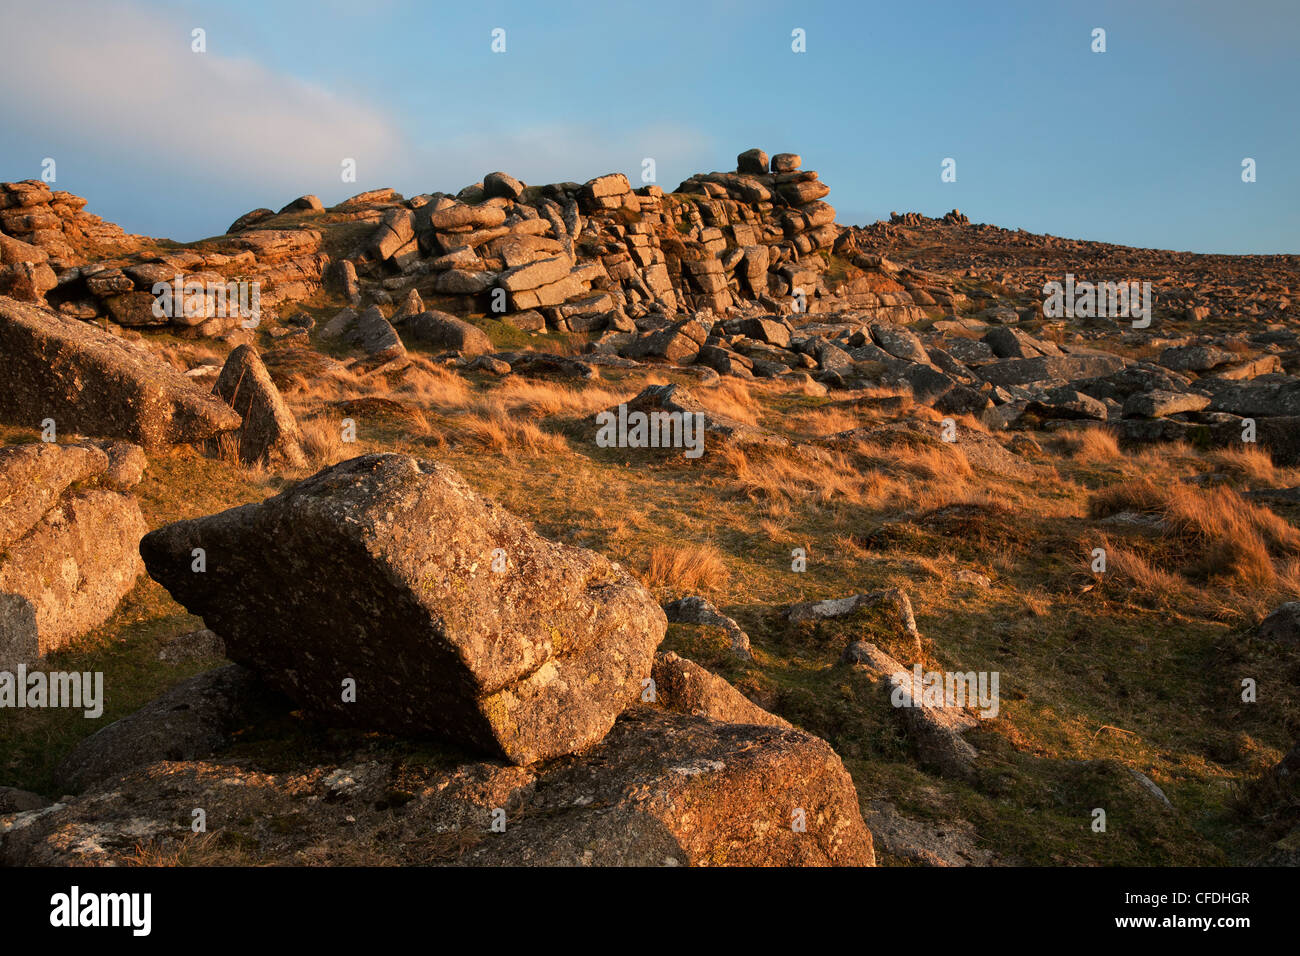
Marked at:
<point>125,81</point>
<point>117,86</point>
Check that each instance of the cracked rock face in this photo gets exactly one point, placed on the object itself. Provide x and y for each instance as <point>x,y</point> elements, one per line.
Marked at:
<point>449,614</point>
<point>667,789</point>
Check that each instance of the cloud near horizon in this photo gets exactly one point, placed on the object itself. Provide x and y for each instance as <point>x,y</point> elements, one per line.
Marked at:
<point>116,89</point>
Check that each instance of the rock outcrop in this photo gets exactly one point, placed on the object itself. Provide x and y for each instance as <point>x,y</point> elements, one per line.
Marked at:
<point>662,789</point>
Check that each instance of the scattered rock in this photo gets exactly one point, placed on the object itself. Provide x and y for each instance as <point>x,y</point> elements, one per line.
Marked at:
<point>1283,625</point>
<point>269,433</point>
<point>192,646</point>
<point>684,687</point>
<point>445,331</point>
<point>696,610</point>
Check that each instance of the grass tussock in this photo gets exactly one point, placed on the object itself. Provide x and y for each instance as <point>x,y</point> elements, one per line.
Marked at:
<point>1251,464</point>
<point>763,474</point>
<point>1092,446</point>
<point>730,398</point>
<point>686,569</point>
<point>322,440</point>
<point>432,386</point>
<point>495,430</point>
<point>1154,586</point>
<point>1214,533</point>
<point>540,399</point>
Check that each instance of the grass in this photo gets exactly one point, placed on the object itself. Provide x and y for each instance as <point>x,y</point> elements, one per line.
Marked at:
<point>685,569</point>
<point>1211,534</point>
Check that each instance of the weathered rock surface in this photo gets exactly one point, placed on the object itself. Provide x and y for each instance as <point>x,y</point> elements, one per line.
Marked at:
<point>668,790</point>
<point>67,574</point>
<point>1283,625</point>
<point>379,570</point>
<point>694,609</point>
<point>935,731</point>
<point>940,843</point>
<point>684,687</point>
<point>444,331</point>
<point>34,476</point>
<point>662,789</point>
<point>192,720</point>
<point>92,382</point>
<point>269,433</point>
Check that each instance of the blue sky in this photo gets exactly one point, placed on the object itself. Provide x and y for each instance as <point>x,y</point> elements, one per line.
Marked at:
<point>1141,144</point>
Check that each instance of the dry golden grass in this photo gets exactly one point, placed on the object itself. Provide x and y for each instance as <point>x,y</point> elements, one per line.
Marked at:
<point>730,398</point>
<point>1161,588</point>
<point>1037,602</point>
<point>1249,462</point>
<point>1091,446</point>
<point>808,386</point>
<point>521,396</point>
<point>902,454</point>
<point>821,422</point>
<point>1220,534</point>
<point>971,423</point>
<point>783,474</point>
<point>432,386</point>
<point>322,440</point>
<point>686,569</point>
<point>495,430</point>
<point>187,355</point>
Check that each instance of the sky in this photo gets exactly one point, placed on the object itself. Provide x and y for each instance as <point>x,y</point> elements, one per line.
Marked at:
<point>1142,144</point>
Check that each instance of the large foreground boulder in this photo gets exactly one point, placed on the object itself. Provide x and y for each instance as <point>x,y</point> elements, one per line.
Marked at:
<point>385,593</point>
<point>92,382</point>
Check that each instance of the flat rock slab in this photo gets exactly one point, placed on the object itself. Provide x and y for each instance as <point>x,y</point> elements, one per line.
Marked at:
<point>92,382</point>
<point>380,571</point>
<point>1048,368</point>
